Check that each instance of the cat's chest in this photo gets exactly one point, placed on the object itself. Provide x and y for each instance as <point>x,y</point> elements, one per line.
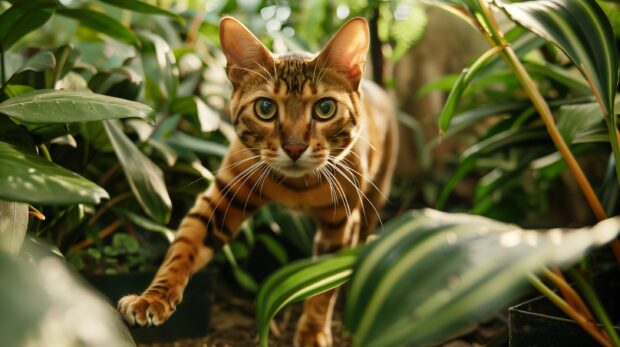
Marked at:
<point>305,195</point>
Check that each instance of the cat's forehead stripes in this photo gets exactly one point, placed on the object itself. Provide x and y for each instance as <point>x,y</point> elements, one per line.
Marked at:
<point>291,71</point>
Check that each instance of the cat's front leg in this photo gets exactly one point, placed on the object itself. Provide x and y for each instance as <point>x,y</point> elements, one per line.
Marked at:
<point>334,234</point>
<point>212,222</point>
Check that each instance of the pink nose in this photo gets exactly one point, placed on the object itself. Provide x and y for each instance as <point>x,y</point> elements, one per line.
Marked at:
<point>295,150</point>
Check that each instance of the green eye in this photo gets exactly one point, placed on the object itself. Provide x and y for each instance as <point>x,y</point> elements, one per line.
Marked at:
<point>324,108</point>
<point>265,108</point>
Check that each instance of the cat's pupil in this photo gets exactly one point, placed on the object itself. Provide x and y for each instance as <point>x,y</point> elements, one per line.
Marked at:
<point>325,106</point>
<point>266,106</point>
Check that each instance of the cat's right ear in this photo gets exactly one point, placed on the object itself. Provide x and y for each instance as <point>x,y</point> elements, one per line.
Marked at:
<point>244,51</point>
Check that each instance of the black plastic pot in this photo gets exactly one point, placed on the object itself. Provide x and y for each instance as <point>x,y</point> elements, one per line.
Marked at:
<point>538,322</point>
<point>191,319</point>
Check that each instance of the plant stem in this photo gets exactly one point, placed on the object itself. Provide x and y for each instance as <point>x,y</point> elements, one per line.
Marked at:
<point>46,152</point>
<point>102,234</point>
<point>599,310</point>
<point>115,200</point>
<point>569,294</point>
<point>564,306</point>
<point>496,38</point>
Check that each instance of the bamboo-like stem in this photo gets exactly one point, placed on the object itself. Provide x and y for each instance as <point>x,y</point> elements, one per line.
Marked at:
<point>115,200</point>
<point>102,234</point>
<point>597,307</point>
<point>497,38</point>
<point>564,306</point>
<point>569,294</point>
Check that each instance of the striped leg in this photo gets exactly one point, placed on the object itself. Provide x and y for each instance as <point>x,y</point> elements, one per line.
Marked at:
<point>314,326</point>
<point>213,221</point>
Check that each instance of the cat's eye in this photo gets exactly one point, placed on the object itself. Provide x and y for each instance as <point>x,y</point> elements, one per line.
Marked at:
<point>265,108</point>
<point>324,109</point>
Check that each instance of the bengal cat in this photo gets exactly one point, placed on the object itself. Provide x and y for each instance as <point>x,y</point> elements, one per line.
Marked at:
<point>313,136</point>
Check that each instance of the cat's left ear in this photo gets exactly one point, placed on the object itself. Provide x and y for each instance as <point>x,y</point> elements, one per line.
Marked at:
<point>347,50</point>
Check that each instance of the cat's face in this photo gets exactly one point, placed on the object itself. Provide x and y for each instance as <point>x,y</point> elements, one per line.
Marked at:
<point>296,112</point>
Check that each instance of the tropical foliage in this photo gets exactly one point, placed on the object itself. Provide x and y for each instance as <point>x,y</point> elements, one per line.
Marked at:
<point>113,116</point>
<point>570,111</point>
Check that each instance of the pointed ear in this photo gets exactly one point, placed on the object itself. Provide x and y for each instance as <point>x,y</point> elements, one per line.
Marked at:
<point>243,50</point>
<point>347,50</point>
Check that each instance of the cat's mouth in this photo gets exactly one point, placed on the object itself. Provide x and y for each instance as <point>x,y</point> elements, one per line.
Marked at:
<point>296,169</point>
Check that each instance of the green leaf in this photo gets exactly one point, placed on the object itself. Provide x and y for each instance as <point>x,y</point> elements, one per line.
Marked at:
<point>245,280</point>
<point>101,23</point>
<point>194,144</point>
<point>159,64</point>
<point>431,274</point>
<point>39,62</point>
<point>22,18</point>
<point>274,247</point>
<point>65,106</point>
<point>142,7</point>
<point>583,32</point>
<point>298,281</point>
<point>31,179</point>
<point>148,224</point>
<point>145,178</point>
<point>13,225</point>
<point>559,75</point>
<point>209,119</point>
<point>575,119</point>
<point>457,90</point>
<point>499,141</point>
<point>406,31</point>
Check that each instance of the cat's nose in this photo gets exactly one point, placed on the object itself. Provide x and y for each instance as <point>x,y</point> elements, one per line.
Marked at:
<point>295,150</point>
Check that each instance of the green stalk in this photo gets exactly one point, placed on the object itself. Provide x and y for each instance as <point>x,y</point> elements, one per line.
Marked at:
<point>590,295</point>
<point>564,306</point>
<point>45,152</point>
<point>497,38</point>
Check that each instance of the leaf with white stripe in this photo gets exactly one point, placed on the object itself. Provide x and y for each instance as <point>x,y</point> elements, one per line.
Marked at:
<point>432,274</point>
<point>583,32</point>
<point>300,280</point>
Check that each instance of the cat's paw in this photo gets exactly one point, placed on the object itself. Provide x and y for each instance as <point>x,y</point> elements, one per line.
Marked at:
<point>311,335</point>
<point>147,309</point>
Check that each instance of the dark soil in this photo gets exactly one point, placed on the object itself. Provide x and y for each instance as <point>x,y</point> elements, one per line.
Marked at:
<point>233,324</point>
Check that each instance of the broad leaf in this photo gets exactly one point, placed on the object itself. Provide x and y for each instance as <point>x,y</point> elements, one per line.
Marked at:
<point>22,18</point>
<point>300,280</point>
<point>65,106</point>
<point>431,274</point>
<point>406,31</point>
<point>101,23</point>
<point>194,144</point>
<point>39,62</point>
<point>32,179</point>
<point>461,83</point>
<point>13,225</point>
<point>159,64</point>
<point>142,7</point>
<point>582,30</point>
<point>145,178</point>
<point>147,224</point>
<point>209,119</point>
